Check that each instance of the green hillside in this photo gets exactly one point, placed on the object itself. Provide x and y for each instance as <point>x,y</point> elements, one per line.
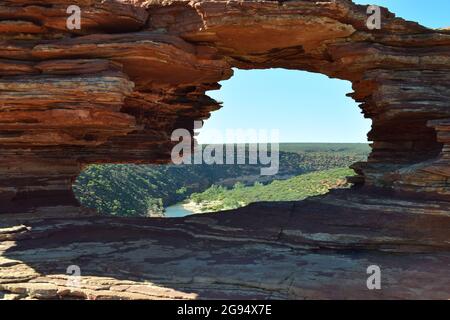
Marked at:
<point>218,198</point>
<point>141,190</point>
<point>338,148</point>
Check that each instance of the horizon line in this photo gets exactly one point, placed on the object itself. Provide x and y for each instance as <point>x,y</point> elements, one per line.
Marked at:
<point>367,142</point>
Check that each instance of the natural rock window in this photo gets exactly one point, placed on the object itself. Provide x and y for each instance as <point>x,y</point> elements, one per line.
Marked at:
<point>113,91</point>
<point>154,77</point>
<point>306,107</point>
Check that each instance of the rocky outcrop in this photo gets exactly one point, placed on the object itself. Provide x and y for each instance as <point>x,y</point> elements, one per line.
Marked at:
<point>296,250</point>
<point>114,90</point>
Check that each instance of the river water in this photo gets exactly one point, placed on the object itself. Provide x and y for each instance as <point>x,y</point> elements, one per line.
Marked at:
<point>177,211</point>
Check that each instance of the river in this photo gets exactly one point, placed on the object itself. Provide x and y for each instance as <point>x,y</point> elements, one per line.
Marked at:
<point>177,211</point>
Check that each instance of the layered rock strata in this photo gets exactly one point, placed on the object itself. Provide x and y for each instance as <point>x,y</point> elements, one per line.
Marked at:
<point>114,90</point>
<point>296,250</point>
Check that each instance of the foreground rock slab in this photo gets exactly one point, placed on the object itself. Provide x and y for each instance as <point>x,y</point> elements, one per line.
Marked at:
<point>299,250</point>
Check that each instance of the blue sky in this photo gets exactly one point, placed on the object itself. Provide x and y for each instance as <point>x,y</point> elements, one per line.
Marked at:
<point>306,107</point>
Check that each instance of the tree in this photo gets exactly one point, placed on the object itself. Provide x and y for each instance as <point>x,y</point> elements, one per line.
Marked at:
<point>155,207</point>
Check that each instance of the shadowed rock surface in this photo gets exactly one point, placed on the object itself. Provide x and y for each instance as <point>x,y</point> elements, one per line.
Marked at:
<point>315,249</point>
<point>114,91</point>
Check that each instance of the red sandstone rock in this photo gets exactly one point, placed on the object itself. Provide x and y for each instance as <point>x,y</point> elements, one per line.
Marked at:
<point>296,250</point>
<point>116,89</point>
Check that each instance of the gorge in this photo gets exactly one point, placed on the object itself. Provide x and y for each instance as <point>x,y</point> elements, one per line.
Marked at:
<point>115,90</point>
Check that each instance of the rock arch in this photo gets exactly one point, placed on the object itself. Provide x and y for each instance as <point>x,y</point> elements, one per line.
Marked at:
<point>113,91</point>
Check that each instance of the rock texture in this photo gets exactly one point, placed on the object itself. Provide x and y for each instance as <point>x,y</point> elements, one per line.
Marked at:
<point>116,89</point>
<point>295,250</point>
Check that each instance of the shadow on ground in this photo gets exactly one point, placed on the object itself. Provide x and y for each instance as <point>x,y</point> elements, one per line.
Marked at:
<point>317,248</point>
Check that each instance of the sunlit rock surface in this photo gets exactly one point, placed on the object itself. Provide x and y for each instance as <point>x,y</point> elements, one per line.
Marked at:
<point>114,91</point>
<point>315,249</point>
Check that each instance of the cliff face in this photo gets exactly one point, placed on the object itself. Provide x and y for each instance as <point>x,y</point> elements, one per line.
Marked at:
<point>114,90</point>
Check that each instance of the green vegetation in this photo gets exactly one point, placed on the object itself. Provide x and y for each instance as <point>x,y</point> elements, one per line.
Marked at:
<point>219,198</point>
<point>336,148</point>
<point>324,156</point>
<point>132,190</point>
